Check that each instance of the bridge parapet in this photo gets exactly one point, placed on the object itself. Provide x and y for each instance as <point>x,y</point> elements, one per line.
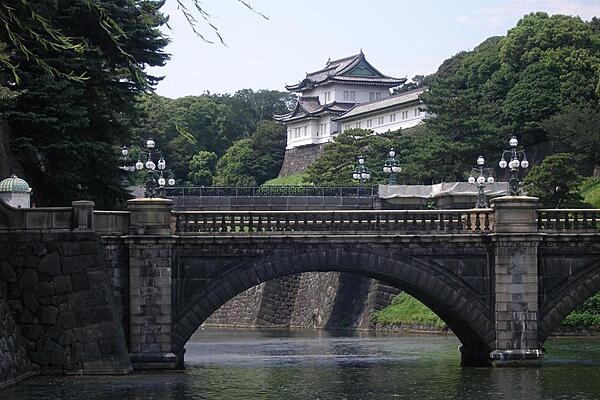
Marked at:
<point>48,219</point>
<point>334,221</point>
<point>571,220</point>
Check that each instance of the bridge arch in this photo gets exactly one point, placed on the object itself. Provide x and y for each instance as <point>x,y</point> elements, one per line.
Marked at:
<point>466,312</point>
<point>559,304</point>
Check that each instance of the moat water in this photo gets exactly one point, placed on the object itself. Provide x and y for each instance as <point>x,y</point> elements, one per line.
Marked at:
<point>288,365</point>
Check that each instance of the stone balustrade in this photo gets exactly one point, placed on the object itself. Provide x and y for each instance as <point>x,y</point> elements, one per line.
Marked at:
<point>345,222</point>
<point>562,219</point>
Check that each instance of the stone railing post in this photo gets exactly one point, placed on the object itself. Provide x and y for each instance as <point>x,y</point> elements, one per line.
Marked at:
<point>83,215</point>
<point>516,282</point>
<point>150,245</point>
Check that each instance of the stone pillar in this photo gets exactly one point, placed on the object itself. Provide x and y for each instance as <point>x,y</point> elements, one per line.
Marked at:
<point>150,281</point>
<point>83,215</point>
<point>516,282</point>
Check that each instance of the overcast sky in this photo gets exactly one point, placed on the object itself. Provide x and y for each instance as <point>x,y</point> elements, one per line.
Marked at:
<point>401,38</point>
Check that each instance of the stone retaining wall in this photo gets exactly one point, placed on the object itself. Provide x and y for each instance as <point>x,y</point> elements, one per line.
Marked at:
<point>60,295</point>
<point>329,300</point>
<point>14,362</point>
<point>298,159</point>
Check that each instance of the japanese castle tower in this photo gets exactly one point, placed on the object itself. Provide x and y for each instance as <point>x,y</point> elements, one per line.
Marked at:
<point>348,93</point>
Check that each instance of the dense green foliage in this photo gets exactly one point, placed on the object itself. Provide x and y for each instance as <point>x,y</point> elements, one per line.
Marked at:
<point>289,180</point>
<point>407,310</point>
<point>586,315</point>
<point>236,128</point>
<point>64,130</point>
<point>590,191</point>
<point>555,182</point>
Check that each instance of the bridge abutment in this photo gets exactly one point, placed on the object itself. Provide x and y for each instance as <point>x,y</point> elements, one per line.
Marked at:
<point>516,282</point>
<point>150,246</point>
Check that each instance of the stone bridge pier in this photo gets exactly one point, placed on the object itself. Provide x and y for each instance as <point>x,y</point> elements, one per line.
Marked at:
<point>501,287</point>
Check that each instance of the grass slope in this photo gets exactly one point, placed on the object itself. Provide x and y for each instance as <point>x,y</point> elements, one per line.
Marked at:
<point>405,309</point>
<point>290,180</point>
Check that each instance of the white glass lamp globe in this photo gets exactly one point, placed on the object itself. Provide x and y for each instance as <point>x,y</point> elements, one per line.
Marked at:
<point>161,181</point>
<point>502,163</point>
<point>524,164</point>
<point>139,165</point>
<point>392,153</point>
<point>396,168</point>
<point>366,175</point>
<point>481,179</point>
<point>150,165</point>
<point>387,169</point>
<point>124,150</point>
<point>162,164</point>
<point>514,163</point>
<point>361,160</point>
<point>471,180</point>
<point>171,182</point>
<point>490,179</point>
<point>355,175</point>
<point>513,141</point>
<point>150,143</point>
<point>480,160</point>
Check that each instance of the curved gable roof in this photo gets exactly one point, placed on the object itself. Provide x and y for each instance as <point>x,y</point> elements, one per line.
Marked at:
<point>353,69</point>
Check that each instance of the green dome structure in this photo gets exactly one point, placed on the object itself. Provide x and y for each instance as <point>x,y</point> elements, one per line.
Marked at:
<point>14,184</point>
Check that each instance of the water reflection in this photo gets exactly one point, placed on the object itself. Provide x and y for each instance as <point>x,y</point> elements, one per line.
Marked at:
<point>236,364</point>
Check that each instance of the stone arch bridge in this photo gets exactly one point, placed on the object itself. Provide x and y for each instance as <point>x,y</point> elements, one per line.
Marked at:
<point>501,278</point>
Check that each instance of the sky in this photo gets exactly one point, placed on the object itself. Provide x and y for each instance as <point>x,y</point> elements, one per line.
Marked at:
<point>398,37</point>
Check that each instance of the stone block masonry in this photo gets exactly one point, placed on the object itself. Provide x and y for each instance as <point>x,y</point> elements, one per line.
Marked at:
<point>58,291</point>
<point>14,362</point>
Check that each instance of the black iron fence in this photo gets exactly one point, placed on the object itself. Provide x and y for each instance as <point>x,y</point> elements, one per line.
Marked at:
<point>272,191</point>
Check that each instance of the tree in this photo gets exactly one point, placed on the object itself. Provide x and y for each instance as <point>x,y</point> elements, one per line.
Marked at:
<point>254,160</point>
<point>416,82</point>
<point>65,130</point>
<point>555,182</point>
<point>23,22</point>
<point>233,167</point>
<point>578,128</point>
<point>202,168</point>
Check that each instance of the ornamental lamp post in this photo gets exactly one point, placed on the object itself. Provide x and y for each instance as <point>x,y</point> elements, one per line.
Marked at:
<point>361,173</point>
<point>392,167</point>
<point>484,175</point>
<point>155,164</point>
<point>518,160</point>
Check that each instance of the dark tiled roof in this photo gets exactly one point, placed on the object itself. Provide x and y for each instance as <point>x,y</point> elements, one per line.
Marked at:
<point>335,70</point>
<point>382,104</point>
<point>309,106</point>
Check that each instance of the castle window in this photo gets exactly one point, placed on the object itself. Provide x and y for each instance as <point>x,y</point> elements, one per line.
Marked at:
<point>416,112</point>
<point>345,95</point>
<point>377,95</point>
<point>352,95</point>
<point>392,117</point>
<point>371,96</point>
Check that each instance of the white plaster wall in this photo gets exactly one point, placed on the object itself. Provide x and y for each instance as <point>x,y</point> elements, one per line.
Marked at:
<point>377,125</point>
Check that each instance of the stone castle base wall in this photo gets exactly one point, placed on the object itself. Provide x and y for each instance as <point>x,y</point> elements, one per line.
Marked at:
<point>311,300</point>
<point>60,295</point>
<point>14,361</point>
<point>298,159</point>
